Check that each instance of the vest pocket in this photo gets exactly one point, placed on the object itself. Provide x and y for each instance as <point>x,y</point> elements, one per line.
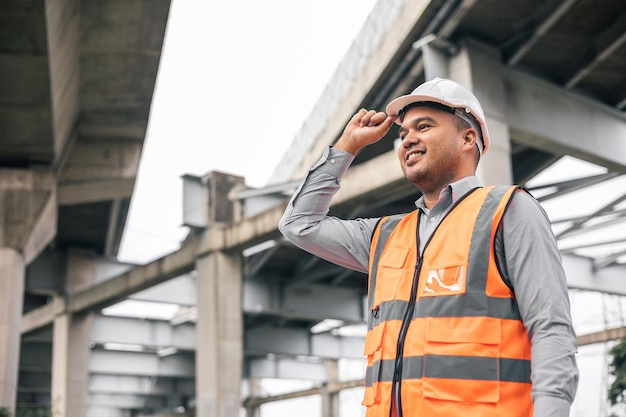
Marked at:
<point>390,269</point>
<point>461,359</point>
<point>373,349</point>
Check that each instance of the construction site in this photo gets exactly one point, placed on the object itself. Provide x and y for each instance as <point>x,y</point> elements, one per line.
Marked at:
<point>245,305</point>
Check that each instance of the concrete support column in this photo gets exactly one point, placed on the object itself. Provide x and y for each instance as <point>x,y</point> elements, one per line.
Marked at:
<point>70,365</point>
<point>70,346</point>
<point>435,62</point>
<point>477,66</point>
<point>219,335</point>
<point>27,224</point>
<point>330,393</point>
<point>11,299</point>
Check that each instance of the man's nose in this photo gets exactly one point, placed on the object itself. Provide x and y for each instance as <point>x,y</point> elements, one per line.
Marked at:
<point>410,138</point>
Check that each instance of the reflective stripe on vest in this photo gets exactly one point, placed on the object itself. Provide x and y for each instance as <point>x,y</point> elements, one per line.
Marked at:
<point>462,367</point>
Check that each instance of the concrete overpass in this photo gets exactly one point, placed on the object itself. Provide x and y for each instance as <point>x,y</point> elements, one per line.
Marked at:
<point>248,301</point>
<point>77,83</point>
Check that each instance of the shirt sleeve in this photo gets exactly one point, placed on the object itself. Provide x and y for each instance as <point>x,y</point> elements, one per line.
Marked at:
<point>534,270</point>
<point>307,225</point>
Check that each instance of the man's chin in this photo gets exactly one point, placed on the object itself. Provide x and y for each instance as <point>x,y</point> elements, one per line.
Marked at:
<point>415,178</point>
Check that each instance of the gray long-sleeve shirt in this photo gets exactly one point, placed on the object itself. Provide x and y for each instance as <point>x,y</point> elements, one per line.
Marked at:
<point>525,246</point>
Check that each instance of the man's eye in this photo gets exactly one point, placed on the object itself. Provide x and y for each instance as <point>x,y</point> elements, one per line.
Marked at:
<point>423,126</point>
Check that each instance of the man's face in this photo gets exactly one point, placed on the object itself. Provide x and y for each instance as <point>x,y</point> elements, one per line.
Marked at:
<point>430,152</point>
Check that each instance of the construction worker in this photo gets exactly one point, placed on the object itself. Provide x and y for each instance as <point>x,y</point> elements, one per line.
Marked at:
<point>469,312</point>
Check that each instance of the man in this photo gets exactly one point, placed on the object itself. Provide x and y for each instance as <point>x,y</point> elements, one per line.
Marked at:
<point>469,310</point>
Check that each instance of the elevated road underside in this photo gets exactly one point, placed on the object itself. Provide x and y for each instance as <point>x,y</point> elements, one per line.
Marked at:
<point>79,79</point>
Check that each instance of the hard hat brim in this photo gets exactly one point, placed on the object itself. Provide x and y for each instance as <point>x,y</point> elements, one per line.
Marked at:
<point>396,105</point>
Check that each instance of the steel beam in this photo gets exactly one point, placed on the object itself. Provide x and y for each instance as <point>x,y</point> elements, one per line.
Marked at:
<point>120,287</point>
<point>581,275</point>
<point>547,117</point>
<point>106,412</point>
<point>180,290</point>
<point>153,333</point>
<point>336,388</point>
<point>314,302</point>
<point>602,336</point>
<point>287,368</point>
<point>42,316</point>
<point>141,364</point>
<point>140,385</point>
<point>137,402</point>
<point>301,342</point>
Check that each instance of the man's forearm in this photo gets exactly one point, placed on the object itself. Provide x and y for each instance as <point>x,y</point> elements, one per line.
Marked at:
<point>305,222</point>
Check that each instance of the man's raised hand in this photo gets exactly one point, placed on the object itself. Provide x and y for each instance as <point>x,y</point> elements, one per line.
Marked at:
<point>364,128</point>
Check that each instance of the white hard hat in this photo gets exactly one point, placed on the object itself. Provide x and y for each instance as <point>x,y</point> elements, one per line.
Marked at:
<point>450,94</point>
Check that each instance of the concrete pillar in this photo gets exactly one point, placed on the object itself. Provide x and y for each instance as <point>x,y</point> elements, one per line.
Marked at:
<point>27,224</point>
<point>11,299</point>
<point>219,335</point>
<point>435,62</point>
<point>219,325</point>
<point>70,346</point>
<point>330,393</point>
<point>70,365</point>
<point>477,66</point>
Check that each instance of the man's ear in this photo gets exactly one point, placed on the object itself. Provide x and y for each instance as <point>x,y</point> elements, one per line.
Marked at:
<point>470,137</point>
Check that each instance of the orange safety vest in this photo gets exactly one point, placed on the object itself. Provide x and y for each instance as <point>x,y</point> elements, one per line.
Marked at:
<point>445,328</point>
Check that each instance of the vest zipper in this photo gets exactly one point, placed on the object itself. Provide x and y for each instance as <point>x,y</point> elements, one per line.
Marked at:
<point>396,383</point>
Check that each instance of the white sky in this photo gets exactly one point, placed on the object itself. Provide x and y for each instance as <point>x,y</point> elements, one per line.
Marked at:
<point>235,83</point>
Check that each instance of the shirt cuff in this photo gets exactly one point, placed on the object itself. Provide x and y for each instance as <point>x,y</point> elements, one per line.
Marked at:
<point>334,162</point>
<point>547,406</point>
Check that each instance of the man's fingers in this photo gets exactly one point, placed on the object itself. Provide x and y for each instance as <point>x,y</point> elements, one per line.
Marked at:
<point>366,119</point>
<point>377,119</point>
<point>356,118</point>
<point>371,118</point>
<point>365,127</point>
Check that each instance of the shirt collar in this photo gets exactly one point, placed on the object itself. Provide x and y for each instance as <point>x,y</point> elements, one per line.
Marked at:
<point>456,189</point>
